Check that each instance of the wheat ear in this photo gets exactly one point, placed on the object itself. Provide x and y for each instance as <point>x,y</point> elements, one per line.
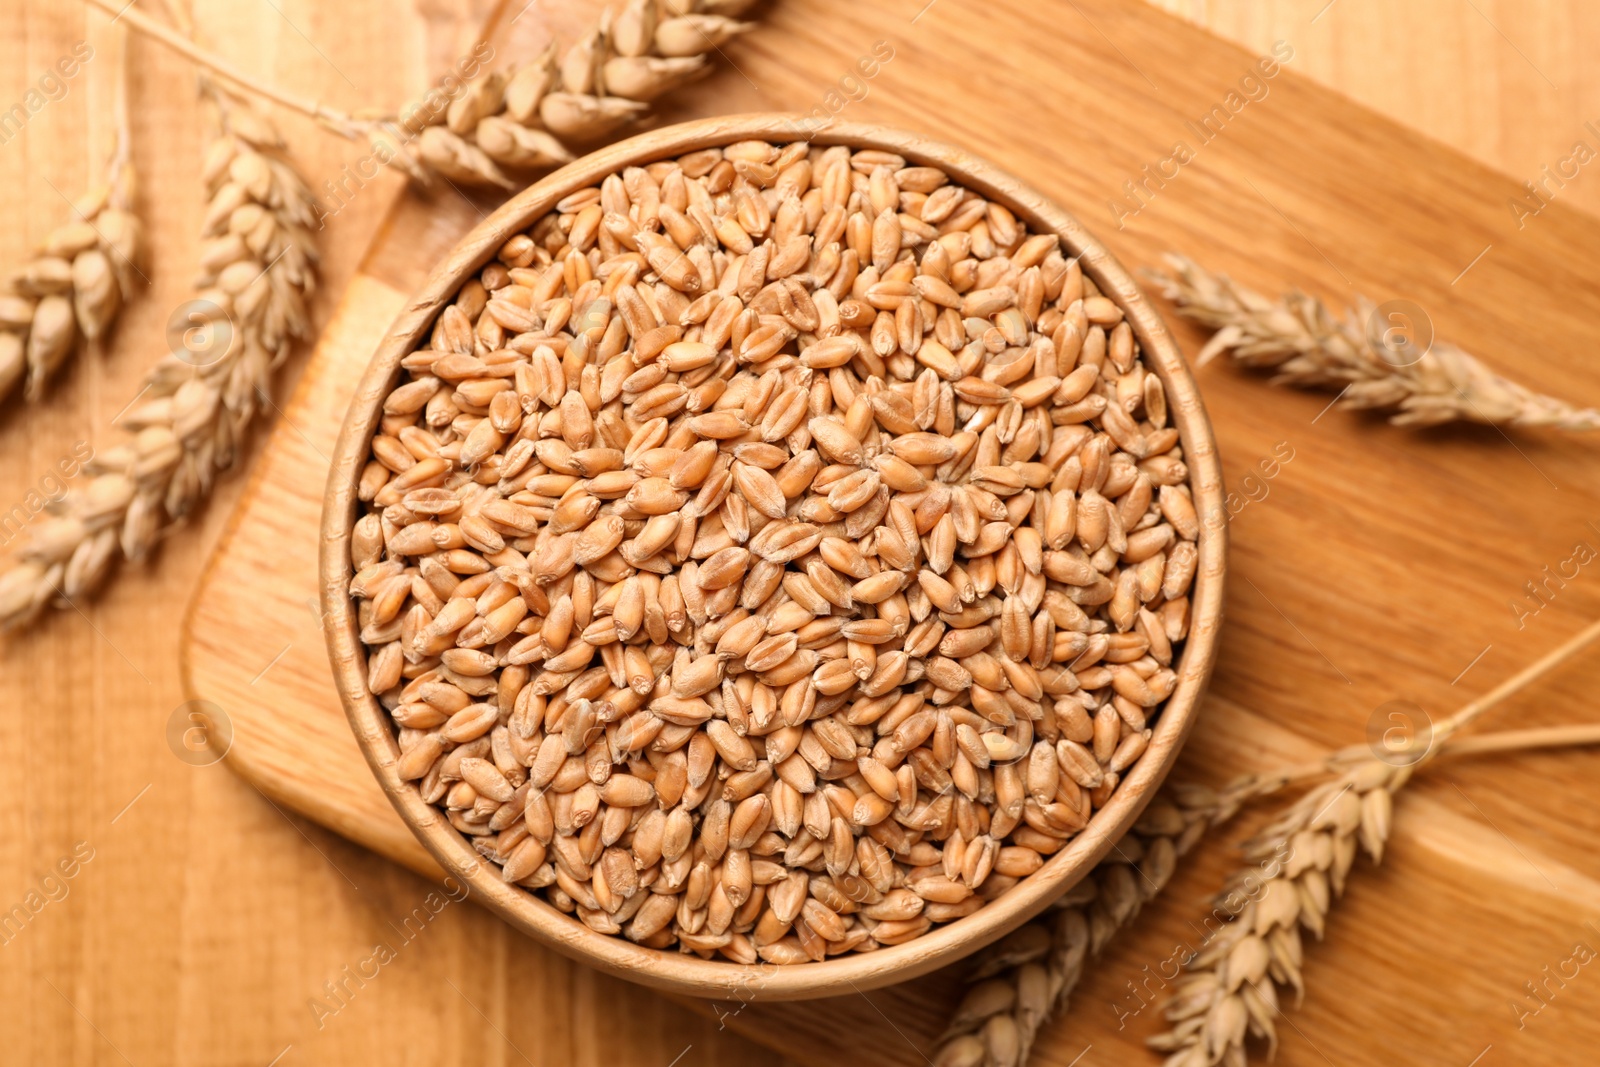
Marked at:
<point>67,296</point>
<point>1308,346</point>
<point>1296,868</point>
<point>190,419</point>
<point>527,118</point>
<point>1020,981</point>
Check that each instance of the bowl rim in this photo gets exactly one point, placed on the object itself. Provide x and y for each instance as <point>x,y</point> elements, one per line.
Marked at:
<point>857,971</point>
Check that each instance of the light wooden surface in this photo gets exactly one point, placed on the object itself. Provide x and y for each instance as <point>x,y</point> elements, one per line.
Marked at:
<point>1512,83</point>
<point>207,919</point>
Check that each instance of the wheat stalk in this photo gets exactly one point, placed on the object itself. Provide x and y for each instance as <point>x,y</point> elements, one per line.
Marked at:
<point>1308,346</point>
<point>1300,862</point>
<point>525,119</point>
<point>189,420</point>
<point>1020,981</point>
<point>68,294</point>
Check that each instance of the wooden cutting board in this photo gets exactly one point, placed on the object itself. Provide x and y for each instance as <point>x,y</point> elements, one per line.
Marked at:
<point>1369,564</point>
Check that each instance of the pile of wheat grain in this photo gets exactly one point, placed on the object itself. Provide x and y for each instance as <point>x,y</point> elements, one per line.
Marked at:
<point>776,551</point>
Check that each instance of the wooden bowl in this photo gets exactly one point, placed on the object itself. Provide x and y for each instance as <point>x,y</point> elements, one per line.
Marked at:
<point>687,974</point>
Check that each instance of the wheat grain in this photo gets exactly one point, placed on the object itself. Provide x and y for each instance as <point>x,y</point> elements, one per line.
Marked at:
<point>840,536</point>
<point>525,119</point>
<point>190,420</point>
<point>1308,346</point>
<point>68,295</point>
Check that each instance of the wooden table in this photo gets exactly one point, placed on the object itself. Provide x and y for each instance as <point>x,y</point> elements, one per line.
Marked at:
<point>207,920</point>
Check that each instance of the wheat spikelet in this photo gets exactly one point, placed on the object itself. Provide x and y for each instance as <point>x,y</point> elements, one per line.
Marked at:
<point>1308,346</point>
<point>68,294</point>
<point>527,118</point>
<point>190,419</point>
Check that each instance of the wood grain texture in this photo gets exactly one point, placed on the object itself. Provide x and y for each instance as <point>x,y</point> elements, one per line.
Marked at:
<point>207,920</point>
